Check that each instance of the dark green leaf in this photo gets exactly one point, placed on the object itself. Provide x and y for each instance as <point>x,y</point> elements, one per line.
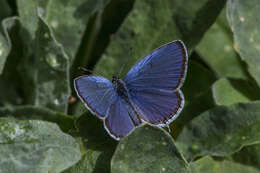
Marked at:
<point>243,19</point>
<point>148,149</point>
<point>221,131</point>
<point>249,155</point>
<point>197,94</point>
<point>35,146</point>
<point>5,10</point>
<point>208,165</point>
<point>98,146</point>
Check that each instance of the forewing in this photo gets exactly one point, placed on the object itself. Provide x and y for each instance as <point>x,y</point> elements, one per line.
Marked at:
<point>159,107</point>
<point>118,122</point>
<point>96,92</point>
<point>164,68</point>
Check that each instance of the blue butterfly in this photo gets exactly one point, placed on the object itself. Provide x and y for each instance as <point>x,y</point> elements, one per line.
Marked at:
<point>150,91</point>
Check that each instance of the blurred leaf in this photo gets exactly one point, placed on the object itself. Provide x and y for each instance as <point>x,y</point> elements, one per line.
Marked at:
<point>244,19</point>
<point>194,18</point>
<point>65,122</point>
<point>5,45</point>
<point>221,131</point>
<point>45,66</point>
<point>225,94</point>
<point>208,165</point>
<point>193,85</point>
<point>148,149</point>
<point>191,110</point>
<point>69,19</point>
<point>220,55</point>
<point>35,146</point>
<point>147,27</point>
<point>249,155</point>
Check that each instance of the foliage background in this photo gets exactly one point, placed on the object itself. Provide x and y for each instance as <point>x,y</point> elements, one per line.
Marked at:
<point>43,126</point>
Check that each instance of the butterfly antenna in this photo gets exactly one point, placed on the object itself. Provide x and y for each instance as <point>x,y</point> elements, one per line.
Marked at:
<point>127,61</point>
<point>88,71</point>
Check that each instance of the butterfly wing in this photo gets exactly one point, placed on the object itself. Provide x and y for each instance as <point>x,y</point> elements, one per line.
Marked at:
<point>96,92</point>
<point>118,122</point>
<point>154,83</point>
<point>100,98</point>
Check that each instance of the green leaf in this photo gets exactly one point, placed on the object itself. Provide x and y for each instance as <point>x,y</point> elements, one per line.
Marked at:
<point>225,94</point>
<point>208,165</point>
<point>243,19</point>
<point>35,146</point>
<point>148,149</point>
<point>45,65</point>
<point>221,131</point>
<point>147,27</point>
<point>227,63</point>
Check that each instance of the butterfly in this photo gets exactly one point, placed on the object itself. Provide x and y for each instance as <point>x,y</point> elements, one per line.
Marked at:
<point>150,91</point>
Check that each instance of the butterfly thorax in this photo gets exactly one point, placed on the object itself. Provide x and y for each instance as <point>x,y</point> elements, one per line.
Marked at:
<point>120,87</point>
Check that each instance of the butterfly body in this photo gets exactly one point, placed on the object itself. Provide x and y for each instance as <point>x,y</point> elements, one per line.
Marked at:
<point>122,92</point>
<point>150,91</point>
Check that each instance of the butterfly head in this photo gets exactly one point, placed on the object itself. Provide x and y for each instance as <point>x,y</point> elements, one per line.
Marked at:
<point>115,79</point>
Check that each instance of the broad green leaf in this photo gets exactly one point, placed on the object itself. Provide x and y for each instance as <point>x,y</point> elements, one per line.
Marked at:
<point>148,149</point>
<point>65,122</point>
<point>249,155</point>
<point>221,131</point>
<point>244,19</point>
<point>69,19</point>
<point>35,146</point>
<point>147,27</point>
<point>225,94</point>
<point>45,66</point>
<point>220,55</point>
<point>208,165</point>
